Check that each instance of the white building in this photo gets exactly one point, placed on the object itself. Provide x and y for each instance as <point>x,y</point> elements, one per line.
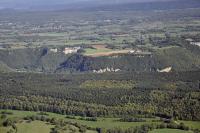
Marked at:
<point>71,50</point>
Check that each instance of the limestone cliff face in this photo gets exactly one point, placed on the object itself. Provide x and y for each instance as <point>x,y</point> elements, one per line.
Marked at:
<point>168,69</point>
<point>106,70</point>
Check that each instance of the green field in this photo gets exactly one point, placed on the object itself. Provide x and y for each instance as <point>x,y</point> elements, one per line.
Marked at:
<point>169,131</point>
<point>40,127</point>
<point>34,127</point>
<point>192,124</point>
<point>101,122</point>
<point>107,123</point>
<point>89,51</point>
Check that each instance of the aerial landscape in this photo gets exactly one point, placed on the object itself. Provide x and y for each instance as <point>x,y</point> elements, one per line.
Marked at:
<point>99,66</point>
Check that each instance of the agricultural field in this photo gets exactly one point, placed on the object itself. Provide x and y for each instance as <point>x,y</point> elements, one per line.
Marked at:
<point>82,29</point>
<point>32,127</point>
<point>97,50</point>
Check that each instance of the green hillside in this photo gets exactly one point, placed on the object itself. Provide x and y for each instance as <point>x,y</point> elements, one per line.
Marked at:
<point>179,58</point>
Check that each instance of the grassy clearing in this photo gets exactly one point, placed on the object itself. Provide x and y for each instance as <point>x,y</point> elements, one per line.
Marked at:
<point>97,53</point>
<point>102,84</point>
<point>169,131</point>
<point>25,126</point>
<point>4,129</point>
<point>109,123</point>
<point>34,127</point>
<point>192,124</point>
<point>90,51</point>
<point>101,122</point>
<point>97,49</point>
<point>41,127</point>
<point>101,50</point>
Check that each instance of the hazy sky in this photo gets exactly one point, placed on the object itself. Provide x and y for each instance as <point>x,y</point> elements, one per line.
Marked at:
<point>35,3</point>
<point>66,1</point>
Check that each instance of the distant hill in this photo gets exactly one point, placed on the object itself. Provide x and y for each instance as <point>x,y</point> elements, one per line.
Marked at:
<point>40,60</point>
<point>153,5</point>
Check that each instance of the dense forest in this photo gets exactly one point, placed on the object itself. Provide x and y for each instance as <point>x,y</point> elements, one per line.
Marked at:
<point>167,95</point>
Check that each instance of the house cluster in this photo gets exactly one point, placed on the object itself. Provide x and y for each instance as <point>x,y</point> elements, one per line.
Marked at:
<point>67,50</point>
<point>135,51</point>
<point>106,70</point>
<point>196,43</point>
<point>191,41</point>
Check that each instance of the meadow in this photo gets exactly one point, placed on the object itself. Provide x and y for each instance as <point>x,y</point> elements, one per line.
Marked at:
<point>24,126</point>
<point>169,131</point>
